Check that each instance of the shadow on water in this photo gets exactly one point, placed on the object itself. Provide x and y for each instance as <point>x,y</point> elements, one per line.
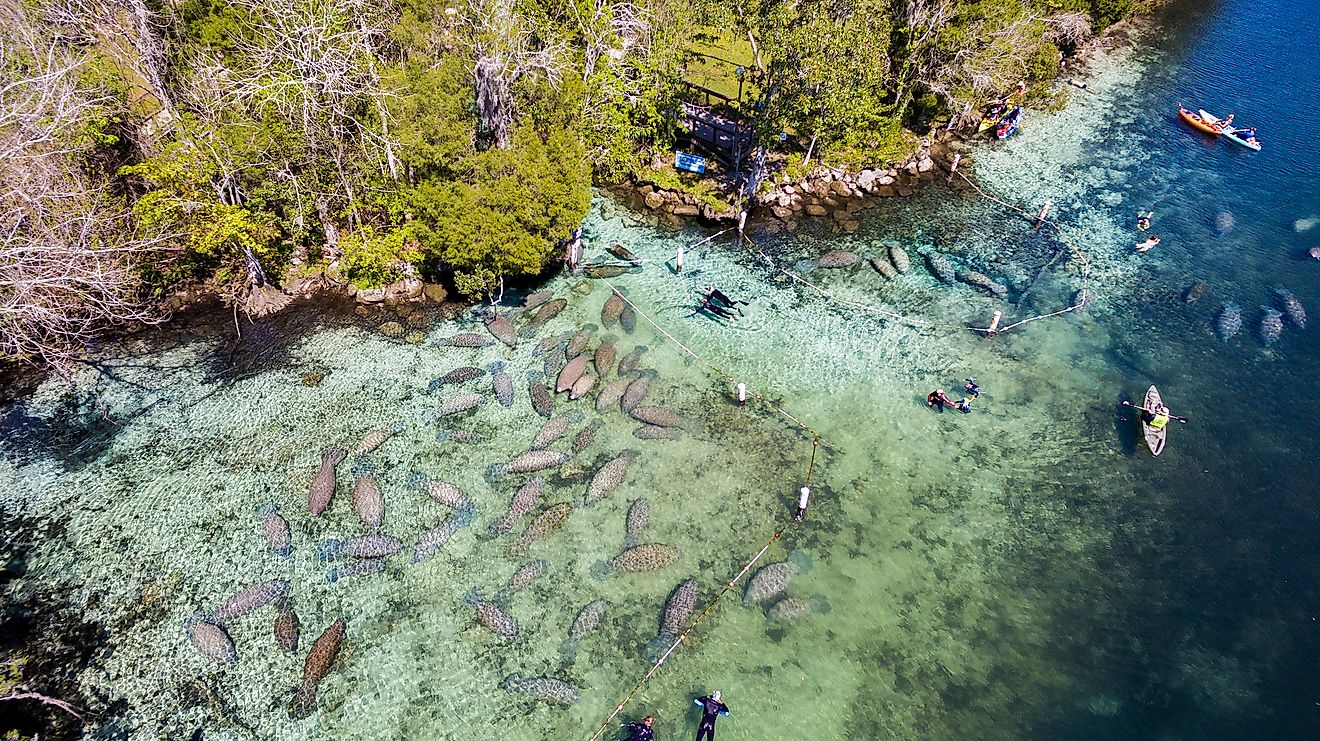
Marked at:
<point>259,345</point>
<point>1125,426</point>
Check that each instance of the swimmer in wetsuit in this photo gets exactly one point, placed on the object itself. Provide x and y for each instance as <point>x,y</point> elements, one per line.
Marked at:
<point>711,709</point>
<point>641,731</point>
<point>708,305</point>
<point>718,295</point>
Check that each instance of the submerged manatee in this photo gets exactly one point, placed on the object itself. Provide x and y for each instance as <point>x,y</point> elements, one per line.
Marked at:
<point>656,432</point>
<point>639,513</point>
<point>524,577</point>
<point>581,387</point>
<point>287,627</point>
<point>503,385</point>
<point>435,538</point>
<point>1271,325</point>
<point>542,525</point>
<point>542,400</point>
<point>276,529</point>
<point>790,608</point>
<point>547,312</point>
<point>551,431</point>
<point>531,462</point>
<point>502,329</point>
<point>257,595</point>
<point>1292,308</point>
<point>523,500</point>
<point>588,619</point>
<point>636,391</point>
<point>982,281</point>
<point>373,440</point>
<point>368,502</point>
<point>899,256</point>
<point>609,313</point>
<point>883,267</point>
<point>604,357</point>
<point>460,404</point>
<point>660,417</point>
<point>571,373</point>
<point>628,319</point>
<point>536,299</point>
<point>838,259</point>
<point>361,567</point>
<point>940,267</point>
<point>319,660</point>
<point>607,477</point>
<point>644,557</point>
<point>577,344</point>
<point>363,546</point>
<point>768,582</point>
<point>678,609</point>
<point>323,486</point>
<point>213,641</point>
<point>462,374</point>
<point>546,689</point>
<point>492,616</point>
<point>583,439</point>
<point>445,493</point>
<point>628,363</point>
<point>1229,321</point>
<point>468,339</point>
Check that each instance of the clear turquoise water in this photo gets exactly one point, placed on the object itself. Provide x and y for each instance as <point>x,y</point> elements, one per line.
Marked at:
<point>1023,571</point>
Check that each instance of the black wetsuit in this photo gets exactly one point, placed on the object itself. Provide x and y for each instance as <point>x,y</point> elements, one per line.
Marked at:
<point>715,309</point>
<point>718,295</point>
<point>972,389</point>
<point>710,710</point>
<point>639,732</point>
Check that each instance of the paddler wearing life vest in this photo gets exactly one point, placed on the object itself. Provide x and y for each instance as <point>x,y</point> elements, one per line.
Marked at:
<point>1157,417</point>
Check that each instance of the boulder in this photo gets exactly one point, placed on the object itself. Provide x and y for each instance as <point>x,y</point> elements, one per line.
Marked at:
<point>403,291</point>
<point>849,226</point>
<point>435,293</point>
<point>686,209</point>
<point>925,165</point>
<point>829,202</point>
<point>782,213</point>
<point>654,200</point>
<point>815,209</point>
<point>866,180</point>
<point>885,179</point>
<point>370,295</point>
<point>841,188</point>
<point>905,191</point>
<point>885,191</point>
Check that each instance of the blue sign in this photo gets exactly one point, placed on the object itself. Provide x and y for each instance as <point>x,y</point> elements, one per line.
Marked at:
<point>689,162</point>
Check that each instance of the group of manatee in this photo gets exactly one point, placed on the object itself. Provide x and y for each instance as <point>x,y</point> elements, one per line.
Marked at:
<point>894,261</point>
<point>1228,322</point>
<point>573,366</point>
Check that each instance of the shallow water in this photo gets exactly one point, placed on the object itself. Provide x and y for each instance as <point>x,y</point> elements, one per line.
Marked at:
<point>1025,570</point>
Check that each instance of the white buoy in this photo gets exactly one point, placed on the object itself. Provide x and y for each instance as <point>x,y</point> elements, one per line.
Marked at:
<point>742,221</point>
<point>953,167</point>
<point>678,260</point>
<point>994,323</point>
<point>804,494</point>
<point>742,393</point>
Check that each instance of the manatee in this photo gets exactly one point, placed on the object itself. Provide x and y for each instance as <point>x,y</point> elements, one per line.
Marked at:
<point>940,267</point>
<point>609,314</point>
<point>361,567</point>
<point>577,344</point>
<point>547,689</point>
<point>547,343</point>
<point>583,439</point>
<point>982,281</point>
<point>547,312</point>
<point>543,402</point>
<point>368,502</point>
<point>535,460</point>
<point>571,373</point>
<point>536,299</point>
<point>768,582</point>
<point>621,252</point>
<point>551,431</point>
<point>462,374</point>
<point>588,619</point>
<point>883,267</point>
<point>789,608</point>
<point>276,529</point>
<point>1224,222</point>
<point>611,393</point>
<point>502,329</point>
<point>492,616</point>
<point>838,259</point>
<point>581,387</point>
<point>628,318</point>
<point>550,520</point>
<point>363,546</point>
<point>457,435</point>
<point>373,440</point>
<point>435,538</point>
<point>639,513</point>
<point>1229,321</point>
<point>607,477</point>
<point>503,385</point>
<point>1271,325</point>
<point>1194,292</point>
<point>213,641</point>
<point>523,578</point>
<point>644,557</point>
<point>448,494</point>
<point>678,610</point>
<point>1292,308</point>
<point>460,404</point>
<point>247,600</point>
<point>604,357</point>
<point>628,363</point>
<point>468,339</point>
<point>287,627</point>
<point>656,432</point>
<point>899,256</point>
<point>554,362</point>
<point>636,391</point>
<point>323,486</point>
<point>659,416</point>
<point>605,271</point>
<point>322,656</point>
<point>523,500</point>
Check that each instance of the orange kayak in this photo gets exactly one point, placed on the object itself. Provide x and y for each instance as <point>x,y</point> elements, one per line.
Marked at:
<point>1199,123</point>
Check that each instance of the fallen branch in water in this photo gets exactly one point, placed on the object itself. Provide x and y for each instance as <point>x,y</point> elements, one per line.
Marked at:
<point>27,694</point>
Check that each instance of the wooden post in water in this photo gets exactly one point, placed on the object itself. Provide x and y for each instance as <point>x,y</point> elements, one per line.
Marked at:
<point>678,260</point>
<point>994,323</point>
<point>953,167</point>
<point>1040,219</point>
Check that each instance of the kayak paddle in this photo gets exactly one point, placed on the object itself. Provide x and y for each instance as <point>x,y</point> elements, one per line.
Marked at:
<point>1127,403</point>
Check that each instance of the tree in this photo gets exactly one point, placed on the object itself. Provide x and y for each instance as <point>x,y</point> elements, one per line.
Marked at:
<point>505,49</point>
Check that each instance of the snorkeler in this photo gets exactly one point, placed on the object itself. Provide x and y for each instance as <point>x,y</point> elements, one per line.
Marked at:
<point>1143,220</point>
<point>714,308</point>
<point>971,388</point>
<point>937,399</point>
<point>718,295</point>
<point>711,709</point>
<point>1144,246</point>
<point>641,731</point>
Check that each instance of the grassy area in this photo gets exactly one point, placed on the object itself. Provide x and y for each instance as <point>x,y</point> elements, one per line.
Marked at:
<point>717,54</point>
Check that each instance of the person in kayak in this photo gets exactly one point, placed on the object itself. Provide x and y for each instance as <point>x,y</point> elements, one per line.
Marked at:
<point>1247,134</point>
<point>711,709</point>
<point>641,731</point>
<point>1145,246</point>
<point>1143,220</point>
<point>938,400</point>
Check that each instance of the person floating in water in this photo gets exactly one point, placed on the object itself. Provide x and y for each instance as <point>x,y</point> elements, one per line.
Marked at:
<point>971,388</point>
<point>964,405</point>
<point>711,709</point>
<point>714,293</point>
<point>1143,220</point>
<point>1145,246</point>
<point>938,399</point>
<point>708,305</point>
<point>641,731</point>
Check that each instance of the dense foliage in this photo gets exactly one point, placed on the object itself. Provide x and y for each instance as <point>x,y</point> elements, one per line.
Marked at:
<point>386,138</point>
